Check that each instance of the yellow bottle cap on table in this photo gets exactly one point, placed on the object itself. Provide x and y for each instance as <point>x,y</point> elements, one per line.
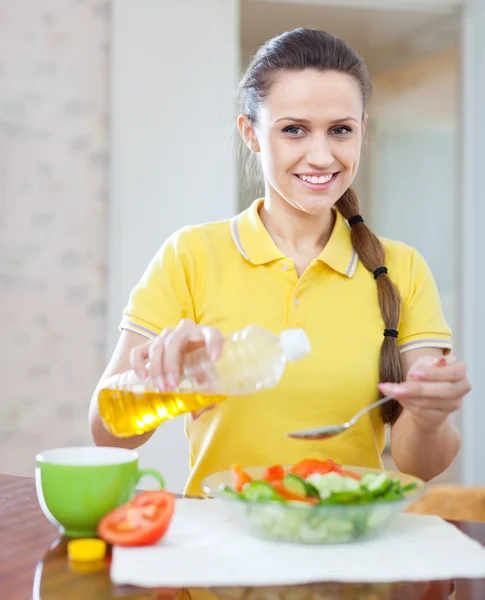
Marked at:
<point>86,550</point>
<point>87,567</point>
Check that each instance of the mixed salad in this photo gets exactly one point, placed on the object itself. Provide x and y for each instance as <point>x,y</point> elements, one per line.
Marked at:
<point>315,502</point>
<point>314,482</point>
<point>358,505</point>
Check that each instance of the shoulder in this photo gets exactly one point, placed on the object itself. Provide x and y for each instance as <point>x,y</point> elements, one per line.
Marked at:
<point>216,232</point>
<point>199,240</point>
<point>186,254</point>
<point>398,253</point>
<point>407,266</point>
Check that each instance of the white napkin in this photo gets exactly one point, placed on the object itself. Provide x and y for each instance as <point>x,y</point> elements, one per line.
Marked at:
<point>204,547</point>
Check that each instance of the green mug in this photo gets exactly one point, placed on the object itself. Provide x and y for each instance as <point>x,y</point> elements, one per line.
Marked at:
<point>77,486</point>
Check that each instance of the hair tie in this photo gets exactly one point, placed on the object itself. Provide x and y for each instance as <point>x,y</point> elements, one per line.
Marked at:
<point>379,271</point>
<point>356,219</point>
<point>390,333</point>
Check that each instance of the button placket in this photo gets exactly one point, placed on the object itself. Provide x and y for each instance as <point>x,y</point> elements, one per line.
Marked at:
<point>297,306</point>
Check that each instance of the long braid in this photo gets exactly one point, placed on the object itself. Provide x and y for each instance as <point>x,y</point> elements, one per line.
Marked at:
<point>371,254</point>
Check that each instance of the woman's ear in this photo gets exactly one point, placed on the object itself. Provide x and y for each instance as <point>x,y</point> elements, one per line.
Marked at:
<point>247,132</point>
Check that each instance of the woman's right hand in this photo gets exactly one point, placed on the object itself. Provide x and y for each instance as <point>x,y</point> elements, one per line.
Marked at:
<point>161,357</point>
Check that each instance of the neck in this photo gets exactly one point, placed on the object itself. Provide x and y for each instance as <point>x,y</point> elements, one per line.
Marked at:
<point>294,230</point>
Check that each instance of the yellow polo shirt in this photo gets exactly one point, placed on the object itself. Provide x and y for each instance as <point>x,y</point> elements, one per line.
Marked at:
<point>229,275</point>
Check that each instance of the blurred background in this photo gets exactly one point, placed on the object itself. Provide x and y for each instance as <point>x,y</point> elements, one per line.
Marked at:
<point>117,126</point>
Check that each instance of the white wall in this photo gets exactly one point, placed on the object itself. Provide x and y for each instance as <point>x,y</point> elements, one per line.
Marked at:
<point>472,217</point>
<point>53,217</point>
<point>414,165</point>
<point>413,170</point>
<point>173,149</point>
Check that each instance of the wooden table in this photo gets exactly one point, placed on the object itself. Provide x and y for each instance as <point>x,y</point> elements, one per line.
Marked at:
<point>33,564</point>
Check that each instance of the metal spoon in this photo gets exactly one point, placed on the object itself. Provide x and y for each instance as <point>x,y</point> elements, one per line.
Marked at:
<point>322,433</point>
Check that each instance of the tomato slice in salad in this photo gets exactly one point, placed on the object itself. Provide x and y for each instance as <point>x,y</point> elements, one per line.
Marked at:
<point>345,473</point>
<point>141,522</point>
<point>239,478</point>
<point>279,487</point>
<point>309,466</point>
<point>274,473</point>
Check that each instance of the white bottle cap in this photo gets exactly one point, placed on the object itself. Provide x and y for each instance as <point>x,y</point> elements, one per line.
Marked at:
<point>295,344</point>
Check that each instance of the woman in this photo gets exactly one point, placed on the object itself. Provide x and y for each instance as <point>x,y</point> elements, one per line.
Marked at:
<point>301,257</point>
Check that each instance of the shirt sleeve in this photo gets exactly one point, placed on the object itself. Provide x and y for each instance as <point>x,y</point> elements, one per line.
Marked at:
<point>162,296</point>
<point>423,324</point>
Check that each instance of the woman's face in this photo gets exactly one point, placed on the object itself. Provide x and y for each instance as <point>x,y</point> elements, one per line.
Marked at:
<point>309,134</point>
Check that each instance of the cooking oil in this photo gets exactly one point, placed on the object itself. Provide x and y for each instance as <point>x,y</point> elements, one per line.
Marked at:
<point>126,412</point>
<point>252,359</point>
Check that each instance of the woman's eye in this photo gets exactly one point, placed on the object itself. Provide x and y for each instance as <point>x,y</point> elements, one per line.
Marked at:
<point>293,130</point>
<point>342,129</point>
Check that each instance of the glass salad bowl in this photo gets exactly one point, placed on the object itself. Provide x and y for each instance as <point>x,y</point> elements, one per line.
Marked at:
<point>343,505</point>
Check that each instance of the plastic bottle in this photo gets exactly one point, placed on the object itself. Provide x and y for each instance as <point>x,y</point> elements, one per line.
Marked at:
<point>252,359</point>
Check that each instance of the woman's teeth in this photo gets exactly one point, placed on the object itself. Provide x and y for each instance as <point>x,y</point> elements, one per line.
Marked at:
<point>315,179</point>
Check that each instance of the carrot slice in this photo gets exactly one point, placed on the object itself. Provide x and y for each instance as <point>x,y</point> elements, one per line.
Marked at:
<point>239,478</point>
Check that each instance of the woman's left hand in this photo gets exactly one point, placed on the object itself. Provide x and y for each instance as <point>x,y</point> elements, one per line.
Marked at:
<point>434,388</point>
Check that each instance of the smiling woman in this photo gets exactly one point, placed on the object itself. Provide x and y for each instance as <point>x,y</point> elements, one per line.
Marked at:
<point>302,256</point>
<point>318,145</point>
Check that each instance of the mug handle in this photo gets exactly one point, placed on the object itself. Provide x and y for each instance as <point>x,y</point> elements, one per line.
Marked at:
<point>153,473</point>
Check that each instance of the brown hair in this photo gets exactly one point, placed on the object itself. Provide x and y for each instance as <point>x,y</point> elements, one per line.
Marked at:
<point>313,49</point>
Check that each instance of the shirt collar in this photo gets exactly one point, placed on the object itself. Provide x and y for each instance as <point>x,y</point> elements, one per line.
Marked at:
<point>255,244</point>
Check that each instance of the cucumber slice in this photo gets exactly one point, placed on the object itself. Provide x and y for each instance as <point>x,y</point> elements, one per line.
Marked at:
<point>342,498</point>
<point>392,495</point>
<point>295,485</point>
<point>368,478</point>
<point>300,487</point>
<point>227,492</point>
<point>333,482</point>
<point>260,491</point>
<point>380,485</point>
<point>409,487</point>
<point>328,482</point>
<point>311,490</point>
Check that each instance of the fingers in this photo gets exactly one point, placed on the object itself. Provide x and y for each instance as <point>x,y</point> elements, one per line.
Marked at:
<point>213,341</point>
<point>434,361</point>
<point>449,371</point>
<point>431,378</point>
<point>138,358</point>
<point>425,389</point>
<point>186,334</point>
<point>155,355</point>
<point>164,353</point>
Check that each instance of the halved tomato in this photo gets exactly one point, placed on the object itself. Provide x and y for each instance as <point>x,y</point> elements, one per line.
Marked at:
<point>157,497</point>
<point>239,478</point>
<point>274,473</point>
<point>309,466</point>
<point>141,522</point>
